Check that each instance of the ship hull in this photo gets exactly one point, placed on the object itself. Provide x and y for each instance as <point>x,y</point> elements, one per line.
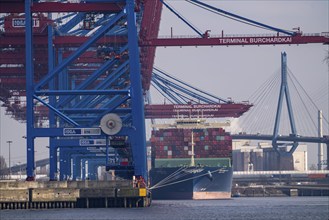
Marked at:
<point>191,182</point>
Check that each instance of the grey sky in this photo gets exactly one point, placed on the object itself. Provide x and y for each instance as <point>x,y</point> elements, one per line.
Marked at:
<point>238,71</point>
<point>233,71</point>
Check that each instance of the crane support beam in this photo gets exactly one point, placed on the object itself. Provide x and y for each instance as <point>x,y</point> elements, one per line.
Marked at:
<point>234,41</point>
<point>65,28</point>
<point>30,157</point>
<point>182,18</point>
<point>149,30</point>
<point>81,50</point>
<point>81,92</point>
<point>240,17</point>
<point>137,103</point>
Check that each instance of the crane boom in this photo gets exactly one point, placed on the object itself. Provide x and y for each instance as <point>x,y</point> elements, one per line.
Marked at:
<point>196,110</point>
<point>238,40</point>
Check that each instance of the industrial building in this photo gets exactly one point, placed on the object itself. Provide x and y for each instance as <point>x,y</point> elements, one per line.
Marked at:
<point>262,157</point>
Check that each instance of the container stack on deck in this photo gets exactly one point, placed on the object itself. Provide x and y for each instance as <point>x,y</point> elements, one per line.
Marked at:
<point>177,143</point>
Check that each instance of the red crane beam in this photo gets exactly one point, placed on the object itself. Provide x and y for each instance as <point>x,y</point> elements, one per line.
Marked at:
<point>241,40</point>
<point>13,82</point>
<point>41,57</point>
<point>18,57</point>
<point>59,41</point>
<point>20,54</point>
<point>44,61</point>
<point>43,7</point>
<point>39,54</point>
<point>175,111</point>
<point>20,71</point>
<point>197,110</point>
<point>76,41</point>
<point>19,41</point>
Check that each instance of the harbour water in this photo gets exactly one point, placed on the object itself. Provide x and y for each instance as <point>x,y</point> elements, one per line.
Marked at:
<point>278,208</point>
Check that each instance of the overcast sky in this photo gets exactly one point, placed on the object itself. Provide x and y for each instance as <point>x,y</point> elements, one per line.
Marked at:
<point>233,71</point>
<point>237,71</point>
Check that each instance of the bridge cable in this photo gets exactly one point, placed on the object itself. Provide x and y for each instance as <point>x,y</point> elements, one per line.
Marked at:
<point>258,97</point>
<point>314,105</point>
<point>265,113</point>
<point>304,127</point>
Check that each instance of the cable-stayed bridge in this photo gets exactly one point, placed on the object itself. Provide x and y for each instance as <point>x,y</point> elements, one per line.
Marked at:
<point>292,123</point>
<point>282,111</point>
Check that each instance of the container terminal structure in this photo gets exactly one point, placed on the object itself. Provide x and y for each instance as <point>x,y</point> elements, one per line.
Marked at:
<point>77,73</point>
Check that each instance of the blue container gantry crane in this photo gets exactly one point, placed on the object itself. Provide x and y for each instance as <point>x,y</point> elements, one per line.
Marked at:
<point>86,82</point>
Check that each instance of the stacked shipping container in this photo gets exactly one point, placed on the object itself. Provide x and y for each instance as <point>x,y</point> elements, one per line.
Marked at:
<point>177,143</point>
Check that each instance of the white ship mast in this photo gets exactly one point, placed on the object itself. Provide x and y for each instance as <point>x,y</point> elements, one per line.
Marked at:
<point>192,156</point>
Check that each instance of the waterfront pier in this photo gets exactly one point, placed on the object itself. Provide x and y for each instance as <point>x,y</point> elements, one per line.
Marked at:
<point>71,194</point>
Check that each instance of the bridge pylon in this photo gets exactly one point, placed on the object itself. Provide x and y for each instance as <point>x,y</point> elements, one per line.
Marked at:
<point>284,92</point>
